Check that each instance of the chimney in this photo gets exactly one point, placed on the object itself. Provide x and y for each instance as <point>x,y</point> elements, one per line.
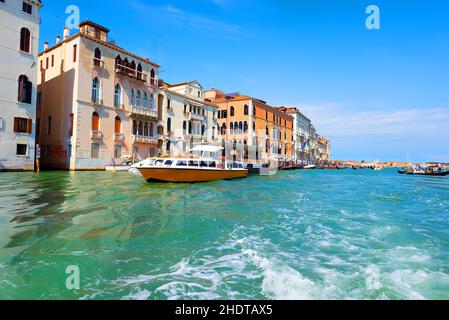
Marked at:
<point>58,39</point>
<point>66,32</point>
<point>45,45</point>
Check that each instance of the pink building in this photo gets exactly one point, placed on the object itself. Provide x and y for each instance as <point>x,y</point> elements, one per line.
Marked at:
<point>97,102</point>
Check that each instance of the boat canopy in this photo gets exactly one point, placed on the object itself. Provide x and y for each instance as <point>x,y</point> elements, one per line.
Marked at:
<point>207,148</point>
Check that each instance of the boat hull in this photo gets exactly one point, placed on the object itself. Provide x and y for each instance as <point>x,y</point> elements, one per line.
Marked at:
<point>190,175</point>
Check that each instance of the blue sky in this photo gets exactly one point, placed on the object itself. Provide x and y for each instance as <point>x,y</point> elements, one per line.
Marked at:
<point>377,94</point>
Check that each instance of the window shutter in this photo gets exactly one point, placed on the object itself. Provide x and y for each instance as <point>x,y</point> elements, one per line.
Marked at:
<point>20,96</point>
<point>29,126</point>
<point>16,124</point>
<point>28,91</point>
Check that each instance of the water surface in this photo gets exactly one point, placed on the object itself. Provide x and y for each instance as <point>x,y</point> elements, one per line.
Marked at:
<point>298,235</point>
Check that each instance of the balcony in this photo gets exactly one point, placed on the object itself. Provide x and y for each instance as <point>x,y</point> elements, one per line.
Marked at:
<point>129,72</point>
<point>144,139</point>
<point>97,63</point>
<point>96,135</point>
<point>144,112</point>
<point>119,138</point>
<point>195,116</point>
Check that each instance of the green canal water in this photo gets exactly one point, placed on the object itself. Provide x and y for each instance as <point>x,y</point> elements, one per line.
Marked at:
<point>298,235</point>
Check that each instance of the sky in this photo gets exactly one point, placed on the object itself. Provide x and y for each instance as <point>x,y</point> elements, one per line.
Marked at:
<point>376,94</point>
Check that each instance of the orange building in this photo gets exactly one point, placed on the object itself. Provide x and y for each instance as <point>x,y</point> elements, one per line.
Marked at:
<point>265,132</point>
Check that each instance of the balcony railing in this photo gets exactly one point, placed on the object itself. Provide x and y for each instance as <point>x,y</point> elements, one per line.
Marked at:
<point>144,139</point>
<point>119,137</point>
<point>96,135</point>
<point>129,72</point>
<point>98,63</point>
<point>194,116</point>
<point>144,112</point>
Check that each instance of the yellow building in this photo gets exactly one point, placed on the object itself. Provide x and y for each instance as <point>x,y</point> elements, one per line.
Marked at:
<point>97,102</point>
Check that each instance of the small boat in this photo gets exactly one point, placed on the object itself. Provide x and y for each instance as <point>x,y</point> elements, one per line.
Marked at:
<point>204,168</point>
<point>117,168</point>
<point>309,167</point>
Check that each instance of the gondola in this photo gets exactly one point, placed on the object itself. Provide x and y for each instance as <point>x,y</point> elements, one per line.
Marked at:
<point>435,174</point>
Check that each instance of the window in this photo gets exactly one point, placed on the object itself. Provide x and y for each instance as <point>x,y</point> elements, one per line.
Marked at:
<point>74,52</point>
<point>118,125</point>
<point>231,127</point>
<point>254,126</point>
<point>145,100</point>
<point>95,121</point>
<point>219,114</point>
<point>22,150</point>
<point>182,163</point>
<point>245,127</point>
<point>135,127</point>
<point>254,111</point>
<point>152,76</point>
<point>52,60</point>
<point>97,58</point>
<point>193,163</point>
<point>49,125</point>
<point>97,34</point>
<point>184,127</point>
<point>117,96</point>
<point>27,8</point>
<point>203,130</point>
<point>25,89</point>
<point>25,39</point>
<point>246,110</point>
<point>139,71</point>
<point>95,151</point>
<point>151,130</point>
<point>95,90</point>
<point>145,129</point>
<point>151,102</point>
<point>133,97</point>
<point>23,125</point>
<point>138,98</point>
<point>203,164</point>
<point>168,146</point>
<point>212,164</point>
<point>232,111</point>
<point>168,124</point>
<point>117,151</point>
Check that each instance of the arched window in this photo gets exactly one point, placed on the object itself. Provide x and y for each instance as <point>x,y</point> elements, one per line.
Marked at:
<point>118,64</point>
<point>236,127</point>
<point>138,99</point>
<point>232,111</point>
<point>267,146</point>
<point>246,110</point>
<point>240,127</point>
<point>132,69</point>
<point>140,128</point>
<point>95,122</point>
<point>152,76</point>
<point>25,40</point>
<point>145,130</point>
<point>25,89</point>
<point>151,130</point>
<point>139,71</point>
<point>145,100</point>
<point>151,102</point>
<point>117,96</point>
<point>184,126</point>
<point>133,97</point>
<point>95,90</point>
<point>134,127</point>
<point>118,125</point>
<point>97,58</point>
<point>245,127</point>
<point>231,127</point>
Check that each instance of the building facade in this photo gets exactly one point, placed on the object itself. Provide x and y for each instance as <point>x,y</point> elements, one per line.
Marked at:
<point>189,119</point>
<point>324,149</point>
<point>19,29</point>
<point>98,102</point>
<point>259,131</point>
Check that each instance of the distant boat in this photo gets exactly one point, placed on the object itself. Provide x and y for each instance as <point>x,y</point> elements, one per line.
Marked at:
<point>423,173</point>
